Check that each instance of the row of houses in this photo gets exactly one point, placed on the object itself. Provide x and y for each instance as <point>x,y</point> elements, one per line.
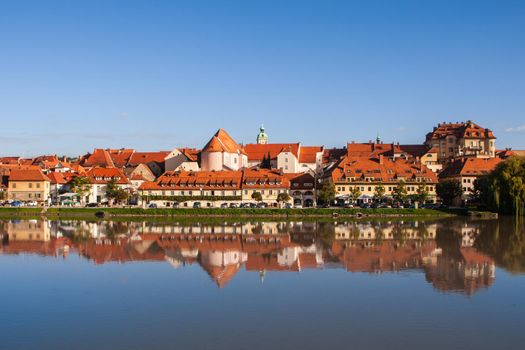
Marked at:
<point>225,171</point>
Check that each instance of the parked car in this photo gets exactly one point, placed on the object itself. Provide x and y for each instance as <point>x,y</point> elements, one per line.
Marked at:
<point>197,205</point>
<point>15,203</point>
<point>298,206</point>
<point>288,206</point>
<point>152,205</point>
<point>365,205</point>
<point>349,205</point>
<point>32,203</point>
<point>261,205</point>
<point>224,205</point>
<point>252,205</point>
<point>176,204</point>
<point>91,205</point>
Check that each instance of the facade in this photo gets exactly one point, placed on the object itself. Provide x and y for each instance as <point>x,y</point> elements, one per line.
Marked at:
<point>461,139</point>
<point>269,183</point>
<point>262,138</point>
<point>367,173</point>
<point>28,185</point>
<point>183,159</point>
<point>303,189</point>
<point>223,153</point>
<point>99,179</point>
<point>467,170</point>
<point>288,157</point>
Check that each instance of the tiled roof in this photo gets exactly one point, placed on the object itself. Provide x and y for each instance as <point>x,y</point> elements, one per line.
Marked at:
<point>27,175</point>
<point>191,153</point>
<point>264,178</point>
<point>56,178</point>
<point>120,157</point>
<point>99,175</point>
<point>99,157</point>
<point>308,154</point>
<point>196,180</point>
<point>223,142</point>
<point>466,129</point>
<point>147,157</point>
<point>470,167</point>
<point>380,169</point>
<point>257,152</point>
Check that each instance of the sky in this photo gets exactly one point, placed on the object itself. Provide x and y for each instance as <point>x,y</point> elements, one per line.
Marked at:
<point>155,75</point>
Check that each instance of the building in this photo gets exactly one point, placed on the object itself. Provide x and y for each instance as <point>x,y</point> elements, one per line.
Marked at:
<point>287,157</point>
<point>269,183</point>
<point>183,159</point>
<point>368,172</point>
<point>58,185</point>
<point>467,170</point>
<point>28,185</point>
<point>303,189</point>
<point>461,139</point>
<point>99,178</point>
<point>223,153</point>
<point>210,188</point>
<point>262,138</point>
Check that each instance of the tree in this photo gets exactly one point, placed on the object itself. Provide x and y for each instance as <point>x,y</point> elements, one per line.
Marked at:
<point>504,188</point>
<point>327,192</point>
<point>257,196</point>
<point>355,193</point>
<point>283,197</point>
<point>400,193</point>
<point>266,162</point>
<point>81,186</point>
<point>112,189</point>
<point>422,193</point>
<point>121,195</point>
<point>379,193</point>
<point>449,190</point>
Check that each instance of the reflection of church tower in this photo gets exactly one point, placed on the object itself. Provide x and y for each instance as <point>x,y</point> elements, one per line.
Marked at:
<point>262,274</point>
<point>262,138</point>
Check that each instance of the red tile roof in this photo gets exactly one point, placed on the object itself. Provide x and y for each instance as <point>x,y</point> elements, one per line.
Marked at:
<point>56,178</point>
<point>308,154</point>
<point>257,152</point>
<point>147,157</point>
<point>99,157</point>
<point>264,178</point>
<point>470,167</point>
<point>99,175</point>
<point>223,142</point>
<point>196,180</point>
<point>27,175</point>
<point>466,130</point>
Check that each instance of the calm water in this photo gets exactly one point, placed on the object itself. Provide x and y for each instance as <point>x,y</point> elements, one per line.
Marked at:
<point>447,284</point>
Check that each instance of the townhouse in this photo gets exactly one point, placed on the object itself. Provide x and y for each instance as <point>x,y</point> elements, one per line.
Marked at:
<point>99,178</point>
<point>28,185</point>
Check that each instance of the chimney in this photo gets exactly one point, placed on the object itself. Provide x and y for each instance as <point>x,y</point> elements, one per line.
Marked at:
<point>380,159</point>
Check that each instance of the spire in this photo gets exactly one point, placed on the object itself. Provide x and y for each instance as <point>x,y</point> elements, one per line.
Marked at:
<point>378,138</point>
<point>262,138</point>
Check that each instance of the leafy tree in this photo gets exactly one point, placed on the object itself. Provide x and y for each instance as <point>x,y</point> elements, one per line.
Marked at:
<point>449,190</point>
<point>283,197</point>
<point>504,188</point>
<point>257,196</point>
<point>400,193</point>
<point>121,195</point>
<point>422,193</point>
<point>81,186</point>
<point>379,193</point>
<point>327,192</point>
<point>112,189</point>
<point>355,193</point>
<point>2,195</point>
<point>266,162</point>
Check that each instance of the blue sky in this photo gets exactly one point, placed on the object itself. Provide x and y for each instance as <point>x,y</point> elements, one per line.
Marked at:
<point>160,74</point>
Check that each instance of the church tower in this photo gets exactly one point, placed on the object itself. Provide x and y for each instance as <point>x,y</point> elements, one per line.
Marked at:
<point>262,138</point>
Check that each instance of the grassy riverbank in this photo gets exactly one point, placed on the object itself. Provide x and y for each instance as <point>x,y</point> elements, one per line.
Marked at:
<point>228,213</point>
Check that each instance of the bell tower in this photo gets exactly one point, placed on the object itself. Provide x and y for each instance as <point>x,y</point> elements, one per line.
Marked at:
<point>262,138</point>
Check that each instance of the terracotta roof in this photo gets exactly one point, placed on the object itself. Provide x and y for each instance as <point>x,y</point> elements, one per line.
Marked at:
<point>257,152</point>
<point>120,157</point>
<point>99,157</point>
<point>466,129</point>
<point>470,167</point>
<point>223,142</point>
<point>264,178</point>
<point>196,180</point>
<point>9,160</point>
<point>333,154</point>
<point>27,175</point>
<point>308,154</point>
<point>380,169</point>
<point>147,157</point>
<point>99,175</point>
<point>56,178</point>
<point>417,150</point>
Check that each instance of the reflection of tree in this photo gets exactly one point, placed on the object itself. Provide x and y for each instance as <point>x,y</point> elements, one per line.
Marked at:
<point>399,233</point>
<point>504,240</point>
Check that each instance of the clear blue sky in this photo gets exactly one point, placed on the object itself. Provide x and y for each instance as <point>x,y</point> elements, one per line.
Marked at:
<point>160,74</point>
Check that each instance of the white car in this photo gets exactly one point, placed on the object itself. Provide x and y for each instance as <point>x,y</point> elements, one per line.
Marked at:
<point>298,206</point>
<point>32,204</point>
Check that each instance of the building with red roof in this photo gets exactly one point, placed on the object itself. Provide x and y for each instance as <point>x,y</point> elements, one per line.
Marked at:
<point>462,139</point>
<point>223,153</point>
<point>28,185</point>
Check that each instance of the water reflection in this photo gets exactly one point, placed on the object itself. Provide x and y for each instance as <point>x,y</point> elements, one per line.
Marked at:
<point>456,255</point>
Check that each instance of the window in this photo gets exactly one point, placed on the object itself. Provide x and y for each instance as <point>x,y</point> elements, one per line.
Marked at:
<point>30,185</point>
<point>37,185</point>
<point>14,184</point>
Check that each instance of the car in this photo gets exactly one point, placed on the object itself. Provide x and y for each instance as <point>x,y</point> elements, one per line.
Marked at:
<point>176,204</point>
<point>197,205</point>
<point>32,203</point>
<point>349,205</point>
<point>365,205</point>
<point>15,203</point>
<point>298,206</point>
<point>152,205</point>
<point>91,205</point>
<point>252,205</point>
<point>288,206</point>
<point>224,205</point>
<point>261,205</point>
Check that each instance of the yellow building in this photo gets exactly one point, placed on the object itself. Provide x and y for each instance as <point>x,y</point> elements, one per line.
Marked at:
<point>28,185</point>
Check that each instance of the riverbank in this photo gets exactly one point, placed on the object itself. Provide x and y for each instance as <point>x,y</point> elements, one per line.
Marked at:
<point>227,213</point>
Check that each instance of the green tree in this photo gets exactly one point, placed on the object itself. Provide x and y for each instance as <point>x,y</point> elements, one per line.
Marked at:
<point>283,197</point>
<point>326,193</point>
<point>81,186</point>
<point>400,193</point>
<point>422,193</point>
<point>121,195</point>
<point>257,196</point>
<point>504,189</point>
<point>449,190</point>
<point>355,193</point>
<point>112,189</point>
<point>379,193</point>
